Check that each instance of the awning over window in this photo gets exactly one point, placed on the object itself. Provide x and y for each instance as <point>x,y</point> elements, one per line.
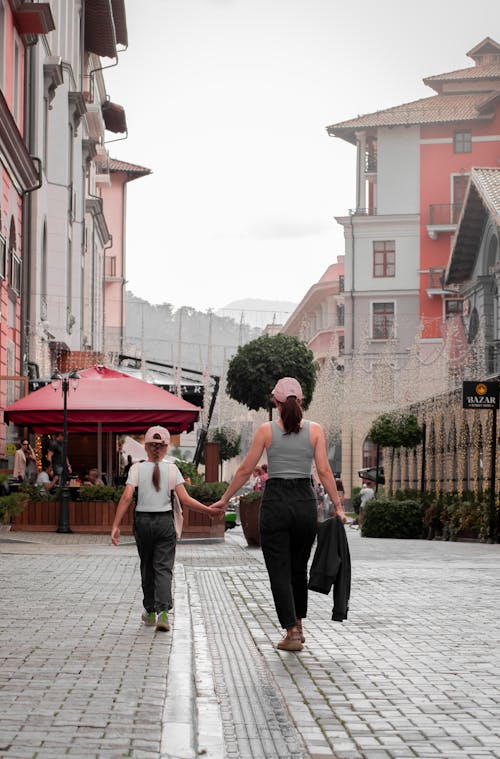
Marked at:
<point>100,34</point>
<point>34,18</point>
<point>114,117</point>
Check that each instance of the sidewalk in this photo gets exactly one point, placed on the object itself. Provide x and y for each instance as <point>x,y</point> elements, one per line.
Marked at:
<point>412,673</point>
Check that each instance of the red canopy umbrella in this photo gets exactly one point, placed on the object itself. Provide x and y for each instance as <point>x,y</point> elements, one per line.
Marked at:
<point>111,399</point>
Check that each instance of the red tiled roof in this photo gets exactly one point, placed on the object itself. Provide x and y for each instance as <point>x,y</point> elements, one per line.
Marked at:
<point>437,109</point>
<point>132,170</point>
<point>129,168</point>
<point>486,71</point>
<point>487,182</point>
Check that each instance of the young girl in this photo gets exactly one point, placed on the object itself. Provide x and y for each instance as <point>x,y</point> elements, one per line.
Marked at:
<point>154,528</point>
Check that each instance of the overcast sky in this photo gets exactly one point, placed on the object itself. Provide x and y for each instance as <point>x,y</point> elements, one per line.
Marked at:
<point>227,102</point>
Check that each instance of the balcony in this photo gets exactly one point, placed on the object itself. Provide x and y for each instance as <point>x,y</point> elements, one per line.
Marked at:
<point>370,163</point>
<point>435,285</point>
<point>443,217</point>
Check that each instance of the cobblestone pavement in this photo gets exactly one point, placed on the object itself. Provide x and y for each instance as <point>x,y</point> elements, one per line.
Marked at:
<point>412,673</point>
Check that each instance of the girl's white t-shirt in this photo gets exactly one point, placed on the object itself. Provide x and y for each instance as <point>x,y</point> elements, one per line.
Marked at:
<point>140,476</point>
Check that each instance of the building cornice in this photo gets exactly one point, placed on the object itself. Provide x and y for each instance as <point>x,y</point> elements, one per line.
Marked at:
<point>14,154</point>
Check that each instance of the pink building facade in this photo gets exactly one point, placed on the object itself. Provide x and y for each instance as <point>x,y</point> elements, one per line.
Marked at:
<point>19,176</point>
<point>114,178</point>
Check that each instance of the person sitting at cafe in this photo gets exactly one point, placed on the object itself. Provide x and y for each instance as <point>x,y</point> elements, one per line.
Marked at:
<point>46,481</point>
<point>93,478</point>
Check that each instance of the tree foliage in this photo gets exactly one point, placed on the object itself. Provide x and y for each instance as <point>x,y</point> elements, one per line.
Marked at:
<point>258,365</point>
<point>229,442</point>
<point>396,430</point>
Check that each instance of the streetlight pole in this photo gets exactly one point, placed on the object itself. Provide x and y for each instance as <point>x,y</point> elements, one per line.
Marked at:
<point>63,381</point>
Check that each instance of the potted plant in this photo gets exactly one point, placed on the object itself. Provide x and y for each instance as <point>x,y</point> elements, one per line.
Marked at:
<point>197,525</point>
<point>249,516</point>
<point>10,505</point>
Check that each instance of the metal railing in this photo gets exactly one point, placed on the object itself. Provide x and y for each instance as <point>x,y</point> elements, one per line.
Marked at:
<point>444,214</point>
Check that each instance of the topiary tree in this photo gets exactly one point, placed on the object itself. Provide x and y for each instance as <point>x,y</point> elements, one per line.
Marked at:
<point>229,443</point>
<point>396,430</point>
<point>258,365</point>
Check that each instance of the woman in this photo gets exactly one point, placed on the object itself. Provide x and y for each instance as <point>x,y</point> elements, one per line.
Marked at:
<point>25,468</point>
<point>288,514</point>
<point>154,528</point>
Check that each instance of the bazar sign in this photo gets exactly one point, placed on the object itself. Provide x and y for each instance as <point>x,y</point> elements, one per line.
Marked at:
<point>480,395</point>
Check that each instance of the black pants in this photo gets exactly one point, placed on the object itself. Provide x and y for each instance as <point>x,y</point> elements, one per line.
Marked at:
<point>288,522</point>
<point>156,541</point>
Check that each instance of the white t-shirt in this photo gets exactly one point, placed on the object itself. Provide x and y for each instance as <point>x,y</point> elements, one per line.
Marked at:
<point>140,476</point>
<point>41,480</point>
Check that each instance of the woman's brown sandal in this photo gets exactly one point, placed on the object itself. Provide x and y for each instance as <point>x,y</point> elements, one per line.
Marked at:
<point>291,642</point>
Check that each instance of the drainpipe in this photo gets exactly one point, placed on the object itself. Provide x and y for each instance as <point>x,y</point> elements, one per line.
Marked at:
<point>29,137</point>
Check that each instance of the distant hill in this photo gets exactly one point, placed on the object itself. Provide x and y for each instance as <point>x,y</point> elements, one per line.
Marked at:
<point>195,338</point>
<point>258,313</point>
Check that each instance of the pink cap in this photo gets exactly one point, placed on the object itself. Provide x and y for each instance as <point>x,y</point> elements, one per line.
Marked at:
<point>157,435</point>
<point>285,387</point>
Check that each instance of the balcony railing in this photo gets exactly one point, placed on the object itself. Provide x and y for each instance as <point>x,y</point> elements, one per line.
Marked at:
<point>436,279</point>
<point>444,214</point>
<point>370,163</point>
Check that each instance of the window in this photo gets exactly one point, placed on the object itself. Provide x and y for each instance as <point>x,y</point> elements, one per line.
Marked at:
<point>340,315</point>
<point>16,81</point>
<point>111,266</point>
<point>3,257</point>
<point>382,321</point>
<point>462,142</point>
<point>460,182</point>
<point>341,283</point>
<point>452,307</point>
<point>15,277</point>
<point>384,258</point>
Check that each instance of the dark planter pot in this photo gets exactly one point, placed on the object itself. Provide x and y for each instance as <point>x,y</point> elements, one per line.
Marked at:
<point>249,518</point>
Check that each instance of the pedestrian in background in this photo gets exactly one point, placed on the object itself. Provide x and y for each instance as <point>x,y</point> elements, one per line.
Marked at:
<point>25,468</point>
<point>154,528</point>
<point>55,455</point>
<point>288,514</point>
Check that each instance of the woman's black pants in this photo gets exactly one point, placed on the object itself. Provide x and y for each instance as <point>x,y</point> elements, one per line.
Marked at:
<point>288,523</point>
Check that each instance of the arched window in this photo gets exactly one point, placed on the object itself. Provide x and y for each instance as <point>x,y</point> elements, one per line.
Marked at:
<point>370,454</point>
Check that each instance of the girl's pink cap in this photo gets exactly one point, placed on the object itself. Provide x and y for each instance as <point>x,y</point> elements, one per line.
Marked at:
<point>286,387</point>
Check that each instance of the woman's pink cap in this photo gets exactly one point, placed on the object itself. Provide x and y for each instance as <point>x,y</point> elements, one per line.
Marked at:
<point>285,387</point>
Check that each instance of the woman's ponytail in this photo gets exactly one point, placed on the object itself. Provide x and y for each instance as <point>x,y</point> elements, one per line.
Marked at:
<point>291,414</point>
<point>157,454</point>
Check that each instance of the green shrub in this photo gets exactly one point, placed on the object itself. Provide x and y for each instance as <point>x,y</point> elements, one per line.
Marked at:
<point>188,469</point>
<point>389,518</point>
<point>466,514</point>
<point>254,495</point>
<point>32,493</point>
<point>96,493</point>
<point>12,504</point>
<point>207,492</point>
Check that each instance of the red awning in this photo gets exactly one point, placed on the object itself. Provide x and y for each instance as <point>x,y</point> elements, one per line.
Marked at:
<point>118,402</point>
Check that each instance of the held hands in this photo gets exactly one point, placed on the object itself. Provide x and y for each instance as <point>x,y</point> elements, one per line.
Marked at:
<point>217,510</point>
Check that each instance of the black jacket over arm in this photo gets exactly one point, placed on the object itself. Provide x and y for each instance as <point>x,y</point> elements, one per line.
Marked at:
<point>331,565</point>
